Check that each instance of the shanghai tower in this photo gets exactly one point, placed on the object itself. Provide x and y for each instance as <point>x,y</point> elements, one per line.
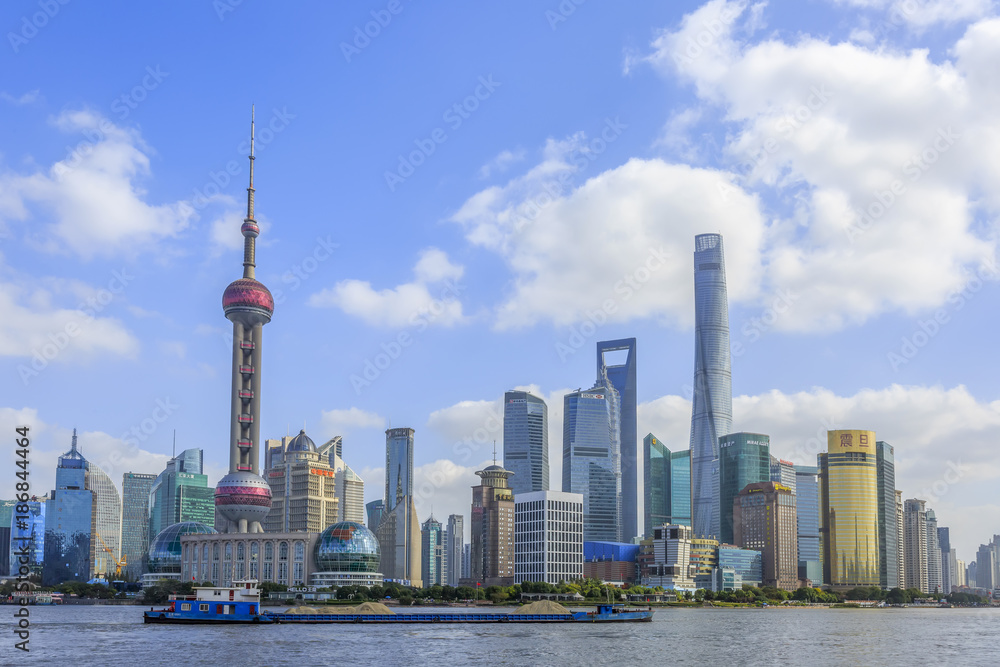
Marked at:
<point>242,497</point>
<point>712,404</point>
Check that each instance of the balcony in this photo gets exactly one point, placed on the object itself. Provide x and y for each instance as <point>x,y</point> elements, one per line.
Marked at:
<point>244,444</point>
<point>246,370</point>
<point>245,419</point>
<point>245,394</point>
<point>246,345</point>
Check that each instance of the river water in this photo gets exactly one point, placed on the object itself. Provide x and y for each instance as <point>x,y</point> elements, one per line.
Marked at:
<point>104,635</point>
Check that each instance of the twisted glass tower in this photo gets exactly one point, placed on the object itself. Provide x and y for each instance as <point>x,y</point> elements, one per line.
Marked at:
<point>712,401</point>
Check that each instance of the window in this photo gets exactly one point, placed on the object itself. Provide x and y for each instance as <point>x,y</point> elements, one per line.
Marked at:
<point>203,607</point>
<point>215,551</point>
<point>269,551</point>
<point>229,550</point>
<point>185,606</point>
<point>241,551</point>
<point>204,553</point>
<point>300,551</point>
<point>283,551</point>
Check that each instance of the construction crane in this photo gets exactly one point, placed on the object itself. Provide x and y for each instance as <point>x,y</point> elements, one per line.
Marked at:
<point>119,564</point>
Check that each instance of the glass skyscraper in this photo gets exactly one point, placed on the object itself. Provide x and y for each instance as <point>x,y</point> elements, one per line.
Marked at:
<point>849,510</point>
<point>135,521</point>
<point>526,441</point>
<point>887,536</point>
<point>590,461</point>
<point>712,393</point>
<point>454,546</point>
<point>621,376</point>
<point>6,512</point>
<point>656,483</point>
<point>744,458</point>
<point>433,552</point>
<point>27,533</point>
<point>738,566</point>
<point>398,465</point>
<point>68,522</point>
<point>680,487</point>
<point>181,493</point>
<point>807,516</point>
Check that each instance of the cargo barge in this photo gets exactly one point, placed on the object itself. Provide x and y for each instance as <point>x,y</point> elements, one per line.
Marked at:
<point>240,603</point>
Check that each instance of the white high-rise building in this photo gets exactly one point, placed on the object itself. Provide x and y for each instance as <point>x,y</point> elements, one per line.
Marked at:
<point>671,566</point>
<point>454,547</point>
<point>548,536</point>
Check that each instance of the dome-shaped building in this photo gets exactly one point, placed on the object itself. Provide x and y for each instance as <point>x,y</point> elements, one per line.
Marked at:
<point>346,554</point>
<point>301,443</point>
<point>165,550</point>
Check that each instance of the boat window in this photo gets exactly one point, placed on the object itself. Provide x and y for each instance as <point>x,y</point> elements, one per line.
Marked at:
<point>185,606</point>
<point>203,607</point>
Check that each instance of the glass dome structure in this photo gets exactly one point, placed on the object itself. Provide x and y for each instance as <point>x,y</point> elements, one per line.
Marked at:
<point>165,549</point>
<point>347,547</point>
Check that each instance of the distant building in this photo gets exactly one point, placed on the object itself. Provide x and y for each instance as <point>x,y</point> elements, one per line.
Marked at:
<point>887,536</point>
<point>900,541</point>
<point>807,516</point>
<point>783,472</point>
<point>303,488</point>
<point>433,552</point>
<point>27,535</point>
<point>738,566</point>
<point>350,488</point>
<point>168,556</point>
<point>548,537</point>
<point>765,519</point>
<point>666,485</point>
<point>466,562</point>
<point>526,441</point>
<point>849,510</point>
<point>135,521</point>
<point>281,558</point>
<point>375,509</point>
<point>181,493</point>
<point>398,465</point>
<point>492,560</point>
<point>6,513</point>
<point>935,583</point>
<point>346,554</point>
<point>399,544</point>
<point>614,562</point>
<point>105,523</point>
<point>622,378</point>
<point>947,560</point>
<point>915,536</point>
<point>454,548</point>
<point>744,458</point>
<point>704,561</point>
<point>671,565</point>
<point>591,460</point>
<point>68,522</point>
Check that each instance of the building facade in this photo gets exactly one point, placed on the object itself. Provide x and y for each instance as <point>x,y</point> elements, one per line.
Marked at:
<point>548,537</point>
<point>887,537</point>
<point>454,547</point>
<point>671,566</point>
<point>492,553</point>
<point>374,509</point>
<point>591,460</point>
<point>744,458</point>
<point>739,566</point>
<point>765,519</point>
<point>655,483</point>
<point>68,522</point>
<point>900,541</point>
<point>398,465</point>
<point>136,488</point>
<point>281,558</point>
<point>398,537</point>
<point>680,487</point>
<point>432,551</point>
<point>622,378</point>
<point>915,551</point>
<point>526,441</point>
<point>935,583</point>
<point>807,516</point>
<point>181,493</point>
<point>849,510</point>
<point>712,399</point>
<point>105,523</point>
<point>947,560</point>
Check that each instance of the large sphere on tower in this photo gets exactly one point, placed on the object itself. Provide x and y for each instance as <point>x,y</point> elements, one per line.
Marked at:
<point>243,495</point>
<point>248,302</point>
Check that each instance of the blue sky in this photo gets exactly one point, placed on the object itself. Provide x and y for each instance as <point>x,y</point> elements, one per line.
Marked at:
<point>586,140</point>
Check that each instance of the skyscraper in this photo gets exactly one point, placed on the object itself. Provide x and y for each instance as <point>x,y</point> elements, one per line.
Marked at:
<point>548,537</point>
<point>947,560</point>
<point>433,552</point>
<point>181,493</point>
<point>765,520</point>
<point>783,472</point>
<point>105,522</point>
<point>303,489</point>
<point>398,465</point>
<point>915,535</point>
<point>454,543</point>
<point>68,522</point>
<point>900,541</point>
<point>374,509</point>
<point>350,488</point>
<point>492,560</point>
<point>680,487</point>
<point>6,513</point>
<point>935,584</point>
<point>655,483</point>
<point>621,377</point>
<point>135,521</point>
<point>744,458</point>
<point>27,538</point>
<point>526,441</point>
<point>590,461</point>
<point>807,517</point>
<point>887,537</point>
<point>712,399</point>
<point>849,510</point>
<point>242,497</point>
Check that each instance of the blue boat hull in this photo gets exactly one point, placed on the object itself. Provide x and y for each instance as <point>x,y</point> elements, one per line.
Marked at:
<point>195,618</point>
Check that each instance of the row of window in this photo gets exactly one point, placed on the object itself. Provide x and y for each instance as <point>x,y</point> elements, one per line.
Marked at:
<point>190,551</point>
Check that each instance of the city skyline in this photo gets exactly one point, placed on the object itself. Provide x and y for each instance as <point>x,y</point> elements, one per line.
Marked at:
<point>824,336</point>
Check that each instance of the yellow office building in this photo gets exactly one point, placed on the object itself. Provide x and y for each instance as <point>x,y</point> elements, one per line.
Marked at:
<point>849,510</point>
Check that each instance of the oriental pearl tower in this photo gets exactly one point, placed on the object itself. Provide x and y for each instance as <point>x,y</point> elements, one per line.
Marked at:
<point>242,497</point>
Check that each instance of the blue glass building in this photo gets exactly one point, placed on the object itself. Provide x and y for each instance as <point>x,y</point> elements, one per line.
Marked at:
<point>744,458</point>
<point>135,521</point>
<point>614,551</point>
<point>666,485</point>
<point>181,493</point>
<point>590,461</point>
<point>712,393</point>
<point>6,512</point>
<point>27,534</point>
<point>807,509</point>
<point>739,566</point>
<point>398,466</point>
<point>68,518</point>
<point>526,441</point>
<point>680,487</point>
<point>621,377</point>
<point>888,539</point>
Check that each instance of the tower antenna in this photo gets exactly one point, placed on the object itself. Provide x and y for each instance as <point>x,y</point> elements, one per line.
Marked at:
<point>173,453</point>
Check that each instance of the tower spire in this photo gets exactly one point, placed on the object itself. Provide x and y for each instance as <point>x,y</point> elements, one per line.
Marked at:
<point>250,229</point>
<point>73,446</point>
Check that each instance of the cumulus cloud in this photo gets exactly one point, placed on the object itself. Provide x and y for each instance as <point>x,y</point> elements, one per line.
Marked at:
<point>432,298</point>
<point>20,100</point>
<point>922,14</point>
<point>339,422</point>
<point>92,202</point>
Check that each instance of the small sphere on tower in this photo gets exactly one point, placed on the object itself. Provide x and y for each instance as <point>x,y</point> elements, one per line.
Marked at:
<point>250,229</point>
<point>243,495</point>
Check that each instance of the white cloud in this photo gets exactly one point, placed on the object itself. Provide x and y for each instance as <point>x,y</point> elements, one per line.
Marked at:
<point>501,163</point>
<point>924,13</point>
<point>20,100</point>
<point>431,298</point>
<point>339,422</point>
<point>929,427</point>
<point>92,202</point>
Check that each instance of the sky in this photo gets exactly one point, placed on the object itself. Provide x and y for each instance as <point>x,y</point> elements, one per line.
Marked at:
<point>458,199</point>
